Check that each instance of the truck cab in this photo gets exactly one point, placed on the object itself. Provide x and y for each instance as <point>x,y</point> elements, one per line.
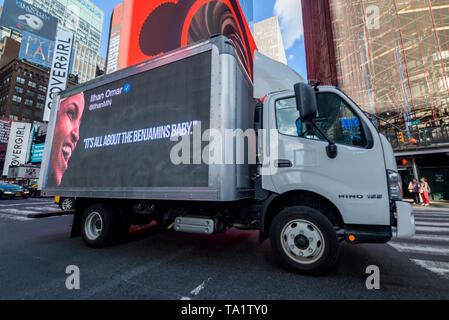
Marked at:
<point>328,156</point>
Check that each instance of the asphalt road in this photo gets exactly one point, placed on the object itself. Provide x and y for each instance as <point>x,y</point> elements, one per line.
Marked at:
<point>34,255</point>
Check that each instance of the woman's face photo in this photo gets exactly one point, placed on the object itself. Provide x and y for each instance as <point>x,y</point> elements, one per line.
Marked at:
<point>66,134</point>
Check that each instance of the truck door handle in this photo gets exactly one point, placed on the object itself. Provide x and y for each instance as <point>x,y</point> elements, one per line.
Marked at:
<point>283,164</point>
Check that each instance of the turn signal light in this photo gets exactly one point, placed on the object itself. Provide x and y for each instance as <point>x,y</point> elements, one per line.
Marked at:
<point>351,237</point>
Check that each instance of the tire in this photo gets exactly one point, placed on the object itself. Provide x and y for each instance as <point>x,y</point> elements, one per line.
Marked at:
<point>67,204</point>
<point>304,241</point>
<point>101,226</point>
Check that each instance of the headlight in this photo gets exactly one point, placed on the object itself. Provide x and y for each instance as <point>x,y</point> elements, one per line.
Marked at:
<point>395,185</point>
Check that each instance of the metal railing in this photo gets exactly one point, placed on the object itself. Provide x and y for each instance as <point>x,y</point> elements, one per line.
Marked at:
<point>430,137</point>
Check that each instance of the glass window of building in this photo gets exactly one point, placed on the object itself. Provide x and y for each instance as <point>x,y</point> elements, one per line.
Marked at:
<point>15,108</point>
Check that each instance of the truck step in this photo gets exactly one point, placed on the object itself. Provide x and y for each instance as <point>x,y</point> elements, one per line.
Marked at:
<point>194,225</point>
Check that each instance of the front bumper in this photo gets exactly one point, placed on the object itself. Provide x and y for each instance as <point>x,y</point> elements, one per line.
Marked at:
<point>405,220</point>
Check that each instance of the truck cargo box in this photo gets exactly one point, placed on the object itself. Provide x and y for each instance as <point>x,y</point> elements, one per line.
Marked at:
<point>111,137</point>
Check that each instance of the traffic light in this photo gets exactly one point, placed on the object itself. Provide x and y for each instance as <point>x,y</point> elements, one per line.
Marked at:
<point>401,137</point>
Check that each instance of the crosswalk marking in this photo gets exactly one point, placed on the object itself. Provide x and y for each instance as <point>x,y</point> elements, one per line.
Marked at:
<point>431,237</point>
<point>424,219</point>
<point>20,211</point>
<point>433,215</point>
<point>432,229</point>
<point>439,267</point>
<point>438,210</point>
<point>421,249</point>
<point>431,242</point>
<point>15,217</point>
<point>432,223</point>
<point>44,209</point>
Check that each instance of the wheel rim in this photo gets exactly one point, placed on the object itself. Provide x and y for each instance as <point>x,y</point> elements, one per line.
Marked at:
<point>67,204</point>
<point>302,241</point>
<point>93,226</point>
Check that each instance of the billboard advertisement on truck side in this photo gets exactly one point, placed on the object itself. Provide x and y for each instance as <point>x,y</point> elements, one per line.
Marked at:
<point>117,135</point>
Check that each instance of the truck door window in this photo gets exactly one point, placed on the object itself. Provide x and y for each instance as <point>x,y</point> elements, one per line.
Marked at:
<point>338,120</point>
<point>335,118</point>
<point>289,122</point>
<point>286,116</point>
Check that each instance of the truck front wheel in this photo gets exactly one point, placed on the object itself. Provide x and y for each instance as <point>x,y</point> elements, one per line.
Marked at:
<point>304,240</point>
<point>100,225</point>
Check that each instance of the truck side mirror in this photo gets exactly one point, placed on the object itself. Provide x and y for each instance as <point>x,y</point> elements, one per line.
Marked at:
<point>307,105</point>
<point>306,102</point>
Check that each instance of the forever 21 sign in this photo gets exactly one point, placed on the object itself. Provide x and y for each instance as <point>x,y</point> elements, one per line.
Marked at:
<point>60,68</point>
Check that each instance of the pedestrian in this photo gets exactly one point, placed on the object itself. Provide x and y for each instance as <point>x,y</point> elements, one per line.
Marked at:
<point>413,188</point>
<point>424,190</point>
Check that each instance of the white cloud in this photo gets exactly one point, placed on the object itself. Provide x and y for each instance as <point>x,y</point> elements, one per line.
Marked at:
<point>290,20</point>
<point>291,57</point>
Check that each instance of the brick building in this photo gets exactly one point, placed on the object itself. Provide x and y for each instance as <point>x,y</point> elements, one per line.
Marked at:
<point>23,91</point>
<point>23,86</point>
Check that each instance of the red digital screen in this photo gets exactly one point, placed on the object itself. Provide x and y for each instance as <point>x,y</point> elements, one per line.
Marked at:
<point>151,28</point>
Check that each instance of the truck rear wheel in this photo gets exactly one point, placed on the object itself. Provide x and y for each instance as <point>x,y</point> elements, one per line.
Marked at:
<point>304,240</point>
<point>100,225</point>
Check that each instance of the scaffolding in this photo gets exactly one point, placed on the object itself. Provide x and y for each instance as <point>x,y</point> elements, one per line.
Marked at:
<point>392,59</point>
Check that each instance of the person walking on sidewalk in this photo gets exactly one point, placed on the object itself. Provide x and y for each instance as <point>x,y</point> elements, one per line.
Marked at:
<point>424,190</point>
<point>413,188</point>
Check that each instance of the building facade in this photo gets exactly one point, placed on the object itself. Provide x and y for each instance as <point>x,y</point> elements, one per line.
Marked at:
<point>85,63</point>
<point>268,37</point>
<point>392,58</point>
<point>82,17</point>
<point>23,90</point>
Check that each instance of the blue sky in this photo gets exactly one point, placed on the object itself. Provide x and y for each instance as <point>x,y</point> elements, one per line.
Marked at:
<point>288,11</point>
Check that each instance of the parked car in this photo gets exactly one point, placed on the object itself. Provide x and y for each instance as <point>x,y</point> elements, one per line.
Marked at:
<point>13,191</point>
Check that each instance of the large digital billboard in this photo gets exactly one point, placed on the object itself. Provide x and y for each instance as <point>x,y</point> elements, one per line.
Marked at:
<point>118,135</point>
<point>21,16</point>
<point>37,152</point>
<point>141,30</point>
<point>36,49</point>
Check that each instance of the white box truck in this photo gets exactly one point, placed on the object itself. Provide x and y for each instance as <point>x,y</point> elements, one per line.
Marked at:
<point>188,140</point>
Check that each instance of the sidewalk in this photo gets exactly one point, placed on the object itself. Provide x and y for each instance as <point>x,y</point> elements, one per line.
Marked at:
<point>443,204</point>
